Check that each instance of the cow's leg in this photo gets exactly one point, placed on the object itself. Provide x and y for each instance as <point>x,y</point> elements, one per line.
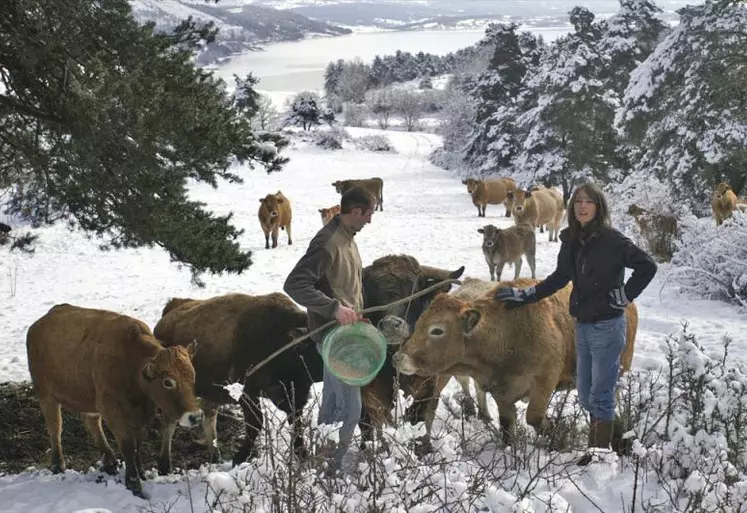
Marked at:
<point>530,260</point>
<point>499,270</point>
<point>210,430</point>
<point>507,418</point>
<point>288,230</point>
<point>267,240</point>
<point>139,456</point>
<point>295,397</point>
<point>468,405</point>
<point>491,269</point>
<point>92,423</point>
<point>483,209</point>
<point>253,419</point>
<point>539,399</point>
<point>517,268</point>
<point>482,403</point>
<point>164,458</point>
<point>275,232</point>
<point>53,421</point>
<point>128,443</point>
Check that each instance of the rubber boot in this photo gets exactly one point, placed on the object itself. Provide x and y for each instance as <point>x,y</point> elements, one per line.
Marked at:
<point>600,436</point>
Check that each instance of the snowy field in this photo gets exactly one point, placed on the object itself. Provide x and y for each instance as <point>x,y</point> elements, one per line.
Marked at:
<point>427,214</point>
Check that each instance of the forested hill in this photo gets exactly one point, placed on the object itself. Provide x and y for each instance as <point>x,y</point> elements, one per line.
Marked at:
<point>242,28</point>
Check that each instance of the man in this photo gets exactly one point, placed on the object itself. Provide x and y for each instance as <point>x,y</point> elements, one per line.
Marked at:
<point>328,282</point>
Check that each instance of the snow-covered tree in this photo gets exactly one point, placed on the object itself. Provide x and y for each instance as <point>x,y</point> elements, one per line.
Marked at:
<point>266,117</point>
<point>305,110</point>
<point>685,108</point>
<point>458,116</point>
<point>492,145</point>
<point>409,105</point>
<point>353,82</point>
<point>381,104</point>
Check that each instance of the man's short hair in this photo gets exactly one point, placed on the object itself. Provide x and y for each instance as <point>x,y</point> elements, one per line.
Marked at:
<point>356,197</point>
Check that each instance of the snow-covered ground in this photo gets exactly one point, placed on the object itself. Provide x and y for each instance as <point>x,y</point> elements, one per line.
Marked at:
<point>427,214</point>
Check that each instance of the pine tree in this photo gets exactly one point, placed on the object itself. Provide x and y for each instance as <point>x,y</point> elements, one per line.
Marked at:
<point>102,121</point>
<point>685,108</point>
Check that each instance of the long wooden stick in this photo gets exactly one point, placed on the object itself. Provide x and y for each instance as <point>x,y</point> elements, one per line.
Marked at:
<point>323,327</point>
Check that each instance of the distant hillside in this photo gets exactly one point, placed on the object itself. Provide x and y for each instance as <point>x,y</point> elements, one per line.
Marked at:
<point>242,27</point>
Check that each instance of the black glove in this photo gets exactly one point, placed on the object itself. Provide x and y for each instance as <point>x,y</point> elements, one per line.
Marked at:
<point>618,299</point>
<point>514,297</point>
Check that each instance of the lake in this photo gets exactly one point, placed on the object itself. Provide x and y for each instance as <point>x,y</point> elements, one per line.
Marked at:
<point>299,65</point>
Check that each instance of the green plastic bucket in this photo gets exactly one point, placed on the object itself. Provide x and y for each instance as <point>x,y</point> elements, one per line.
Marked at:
<point>354,353</point>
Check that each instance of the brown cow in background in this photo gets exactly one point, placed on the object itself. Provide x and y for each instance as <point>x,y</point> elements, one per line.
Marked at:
<point>236,332</point>
<point>513,354</point>
<point>502,246</point>
<point>723,202</point>
<point>488,192</point>
<point>105,365</point>
<point>375,186</point>
<point>329,213</point>
<point>275,214</point>
<point>538,208</point>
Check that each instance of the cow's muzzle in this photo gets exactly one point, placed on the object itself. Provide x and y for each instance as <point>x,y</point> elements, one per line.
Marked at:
<point>273,214</point>
<point>489,244</point>
<point>403,363</point>
<point>191,419</point>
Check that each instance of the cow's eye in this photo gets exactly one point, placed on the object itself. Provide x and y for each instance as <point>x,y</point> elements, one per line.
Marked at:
<point>436,332</point>
<point>169,383</point>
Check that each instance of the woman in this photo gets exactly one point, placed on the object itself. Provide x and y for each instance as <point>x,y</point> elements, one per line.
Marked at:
<point>593,255</point>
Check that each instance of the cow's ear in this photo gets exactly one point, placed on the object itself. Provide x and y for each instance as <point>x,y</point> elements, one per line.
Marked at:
<point>480,230</point>
<point>470,319</point>
<point>192,349</point>
<point>149,371</point>
<point>510,195</point>
<point>334,184</point>
<point>261,200</point>
<point>528,194</point>
<point>321,210</point>
<point>281,200</point>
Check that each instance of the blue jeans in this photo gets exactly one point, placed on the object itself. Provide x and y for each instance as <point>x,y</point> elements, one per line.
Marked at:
<point>598,349</point>
<point>340,403</point>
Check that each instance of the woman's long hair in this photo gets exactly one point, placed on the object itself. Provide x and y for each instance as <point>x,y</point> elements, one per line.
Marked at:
<point>601,218</point>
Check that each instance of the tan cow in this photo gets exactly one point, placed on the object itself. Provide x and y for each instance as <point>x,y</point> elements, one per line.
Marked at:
<point>375,186</point>
<point>538,208</point>
<point>513,354</point>
<point>487,192</point>
<point>723,202</point>
<point>329,213</point>
<point>275,214</point>
<point>506,246</point>
<point>105,365</point>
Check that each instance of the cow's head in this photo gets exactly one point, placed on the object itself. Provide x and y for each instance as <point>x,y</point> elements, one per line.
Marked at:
<point>168,378</point>
<point>271,204</point>
<point>395,277</point>
<point>521,199</point>
<point>329,213</point>
<point>720,191</point>
<point>471,184</point>
<point>491,237</point>
<point>438,342</point>
<point>339,186</point>
<point>394,329</point>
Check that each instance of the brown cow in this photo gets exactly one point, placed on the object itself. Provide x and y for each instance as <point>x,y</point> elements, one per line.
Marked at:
<point>538,208</point>
<point>236,332</point>
<point>386,280</point>
<point>375,186</point>
<point>328,213</point>
<point>485,192</point>
<point>723,202</point>
<point>275,214</point>
<point>106,365</point>
<point>512,354</point>
<point>506,246</point>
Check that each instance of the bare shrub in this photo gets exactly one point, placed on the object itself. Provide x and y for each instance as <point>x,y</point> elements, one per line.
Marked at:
<point>355,114</point>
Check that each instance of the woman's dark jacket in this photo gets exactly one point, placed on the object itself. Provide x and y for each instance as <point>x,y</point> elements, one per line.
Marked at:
<point>596,266</point>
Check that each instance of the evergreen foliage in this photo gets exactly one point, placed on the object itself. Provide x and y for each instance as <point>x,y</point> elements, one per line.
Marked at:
<point>103,121</point>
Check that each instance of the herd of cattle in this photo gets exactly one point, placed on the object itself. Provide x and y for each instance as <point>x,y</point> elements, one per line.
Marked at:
<point>109,366</point>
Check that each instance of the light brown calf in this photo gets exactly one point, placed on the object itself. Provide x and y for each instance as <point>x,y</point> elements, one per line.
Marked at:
<point>506,246</point>
<point>275,214</point>
<point>487,192</point>
<point>328,213</point>
<point>723,202</point>
<point>105,365</point>
<point>513,354</point>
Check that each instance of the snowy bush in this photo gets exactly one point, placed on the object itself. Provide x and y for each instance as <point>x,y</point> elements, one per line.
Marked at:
<point>355,114</point>
<point>712,261</point>
<point>330,139</point>
<point>689,425</point>
<point>374,142</point>
<point>644,208</point>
